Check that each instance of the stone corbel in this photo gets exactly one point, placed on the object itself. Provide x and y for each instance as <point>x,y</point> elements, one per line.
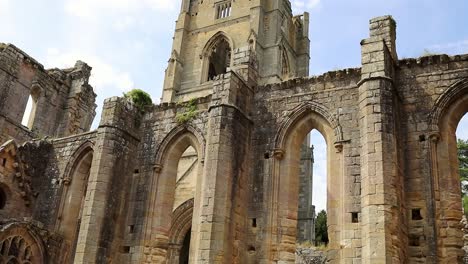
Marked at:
<point>339,147</point>
<point>157,168</point>
<point>434,137</point>
<point>66,181</point>
<point>278,154</point>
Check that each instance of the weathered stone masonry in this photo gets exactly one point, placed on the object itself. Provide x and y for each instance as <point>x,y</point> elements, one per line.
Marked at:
<point>108,195</point>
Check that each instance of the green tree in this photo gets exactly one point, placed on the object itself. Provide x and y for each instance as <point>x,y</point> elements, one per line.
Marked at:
<point>463,166</point>
<point>139,97</point>
<point>321,232</point>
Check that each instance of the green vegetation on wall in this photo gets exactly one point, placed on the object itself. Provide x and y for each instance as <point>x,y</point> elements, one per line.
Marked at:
<point>189,113</point>
<point>140,98</point>
<point>463,166</point>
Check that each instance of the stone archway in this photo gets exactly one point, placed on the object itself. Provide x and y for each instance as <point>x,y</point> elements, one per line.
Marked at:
<point>180,233</point>
<point>158,226</point>
<point>444,119</point>
<point>284,187</point>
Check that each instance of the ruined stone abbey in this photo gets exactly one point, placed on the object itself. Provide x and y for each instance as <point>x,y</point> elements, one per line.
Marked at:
<point>219,172</point>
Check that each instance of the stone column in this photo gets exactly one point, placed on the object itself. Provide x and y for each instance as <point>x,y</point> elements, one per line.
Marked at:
<point>111,169</point>
<point>382,208</point>
<point>228,137</point>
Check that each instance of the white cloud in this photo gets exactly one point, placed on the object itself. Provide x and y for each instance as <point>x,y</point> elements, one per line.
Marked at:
<point>4,5</point>
<point>92,8</point>
<point>103,75</point>
<point>462,129</point>
<point>301,5</point>
<point>456,47</point>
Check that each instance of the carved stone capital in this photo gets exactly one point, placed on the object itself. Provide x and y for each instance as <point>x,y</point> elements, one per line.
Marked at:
<point>278,154</point>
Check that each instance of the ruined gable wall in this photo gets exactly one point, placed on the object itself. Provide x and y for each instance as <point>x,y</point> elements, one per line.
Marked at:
<point>65,101</point>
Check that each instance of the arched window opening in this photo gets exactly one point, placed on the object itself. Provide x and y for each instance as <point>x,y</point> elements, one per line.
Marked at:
<point>289,188</point>
<point>3,198</point>
<point>74,197</point>
<point>179,163</point>
<point>193,7</point>
<point>284,65</point>
<point>223,10</point>
<point>31,106</point>
<point>219,59</point>
<point>312,225</point>
<point>448,159</point>
<point>462,144</point>
<point>187,169</point>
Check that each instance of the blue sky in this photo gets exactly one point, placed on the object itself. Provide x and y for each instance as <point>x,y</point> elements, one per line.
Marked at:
<point>127,42</point>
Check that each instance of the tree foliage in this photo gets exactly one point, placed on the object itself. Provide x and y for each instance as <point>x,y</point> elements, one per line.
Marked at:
<point>321,232</point>
<point>139,97</point>
<point>463,166</point>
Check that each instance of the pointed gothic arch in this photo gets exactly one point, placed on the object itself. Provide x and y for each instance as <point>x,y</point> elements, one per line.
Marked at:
<point>283,189</point>
<point>158,224</point>
<point>444,118</point>
<point>181,224</point>
<point>216,56</point>
<point>75,183</point>
<point>298,113</point>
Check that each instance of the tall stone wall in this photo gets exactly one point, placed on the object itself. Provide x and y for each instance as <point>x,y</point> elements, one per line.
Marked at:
<point>64,102</point>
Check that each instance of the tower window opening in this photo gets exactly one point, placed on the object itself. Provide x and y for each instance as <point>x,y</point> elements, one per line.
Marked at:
<point>30,111</point>
<point>223,10</point>
<point>219,59</point>
<point>3,199</point>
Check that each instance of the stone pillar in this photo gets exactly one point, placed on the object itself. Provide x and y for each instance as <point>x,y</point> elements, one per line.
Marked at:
<point>382,208</point>
<point>111,171</point>
<point>228,137</point>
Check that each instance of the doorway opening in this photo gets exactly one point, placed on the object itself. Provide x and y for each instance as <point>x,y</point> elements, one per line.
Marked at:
<point>185,250</point>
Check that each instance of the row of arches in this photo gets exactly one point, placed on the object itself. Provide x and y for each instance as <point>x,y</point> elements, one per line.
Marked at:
<point>174,229</point>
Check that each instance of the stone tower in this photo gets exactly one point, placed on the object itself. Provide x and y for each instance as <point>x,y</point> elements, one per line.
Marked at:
<point>213,37</point>
<point>306,211</point>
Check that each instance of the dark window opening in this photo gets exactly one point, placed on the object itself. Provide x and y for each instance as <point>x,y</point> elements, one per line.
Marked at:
<point>126,250</point>
<point>219,59</point>
<point>131,229</point>
<point>223,10</point>
<point>2,199</point>
<point>251,249</point>
<point>414,241</point>
<point>136,171</point>
<point>422,138</point>
<point>355,217</point>
<point>254,222</point>
<point>4,161</point>
<point>266,155</point>
<point>416,214</point>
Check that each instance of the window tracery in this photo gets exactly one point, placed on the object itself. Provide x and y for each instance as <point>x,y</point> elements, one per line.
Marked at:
<point>15,250</point>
